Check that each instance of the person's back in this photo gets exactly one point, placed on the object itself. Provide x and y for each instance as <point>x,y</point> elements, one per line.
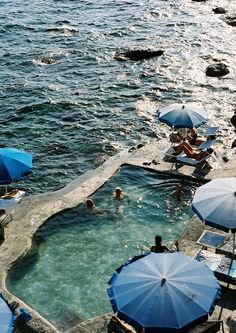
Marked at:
<point>158,247</point>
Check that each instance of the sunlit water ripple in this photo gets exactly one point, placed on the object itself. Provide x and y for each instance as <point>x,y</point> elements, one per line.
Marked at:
<point>64,97</point>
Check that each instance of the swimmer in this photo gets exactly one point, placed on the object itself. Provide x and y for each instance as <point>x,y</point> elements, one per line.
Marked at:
<point>119,195</point>
<point>90,204</point>
<point>119,198</point>
<point>178,192</point>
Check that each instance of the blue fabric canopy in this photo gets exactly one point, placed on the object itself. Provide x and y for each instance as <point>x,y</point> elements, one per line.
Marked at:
<point>7,318</point>
<point>163,292</point>
<point>14,165</point>
<point>215,203</point>
<point>182,116</point>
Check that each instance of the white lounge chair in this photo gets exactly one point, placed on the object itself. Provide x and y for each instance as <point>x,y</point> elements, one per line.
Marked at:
<point>7,203</point>
<point>192,161</point>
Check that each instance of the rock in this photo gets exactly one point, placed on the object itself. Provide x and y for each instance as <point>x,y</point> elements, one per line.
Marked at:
<point>199,0</point>
<point>137,54</point>
<point>217,70</point>
<point>233,144</point>
<point>233,120</point>
<point>219,10</point>
<point>231,322</point>
<point>225,158</point>
<point>230,20</point>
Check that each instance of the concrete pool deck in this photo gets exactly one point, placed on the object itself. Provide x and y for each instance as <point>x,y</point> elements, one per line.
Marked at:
<point>34,210</point>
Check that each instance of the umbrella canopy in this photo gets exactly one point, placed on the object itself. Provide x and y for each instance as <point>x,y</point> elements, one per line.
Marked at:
<point>182,116</point>
<point>215,203</point>
<point>6,317</point>
<point>163,292</point>
<point>14,165</point>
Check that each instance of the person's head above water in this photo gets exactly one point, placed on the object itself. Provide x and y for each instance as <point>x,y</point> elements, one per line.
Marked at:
<point>90,203</point>
<point>118,191</point>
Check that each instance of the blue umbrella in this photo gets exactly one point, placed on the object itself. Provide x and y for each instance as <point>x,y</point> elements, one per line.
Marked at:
<point>14,165</point>
<point>215,204</point>
<point>163,292</point>
<point>7,318</point>
<point>182,116</point>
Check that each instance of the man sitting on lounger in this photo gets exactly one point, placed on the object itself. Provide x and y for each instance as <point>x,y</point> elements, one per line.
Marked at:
<point>192,152</point>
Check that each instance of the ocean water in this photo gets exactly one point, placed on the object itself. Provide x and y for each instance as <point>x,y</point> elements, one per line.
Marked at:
<point>67,284</point>
<point>64,97</point>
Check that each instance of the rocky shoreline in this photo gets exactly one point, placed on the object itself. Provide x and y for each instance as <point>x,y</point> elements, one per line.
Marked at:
<point>33,211</point>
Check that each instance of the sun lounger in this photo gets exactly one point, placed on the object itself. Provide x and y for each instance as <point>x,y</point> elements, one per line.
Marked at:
<point>11,199</point>
<point>192,161</point>
<point>170,154</point>
<point>211,131</point>
<point>209,326</point>
<point>206,144</point>
<point>7,203</point>
<point>223,267</point>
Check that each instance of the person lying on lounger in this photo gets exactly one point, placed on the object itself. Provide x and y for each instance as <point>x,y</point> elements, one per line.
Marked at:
<point>192,137</point>
<point>192,152</point>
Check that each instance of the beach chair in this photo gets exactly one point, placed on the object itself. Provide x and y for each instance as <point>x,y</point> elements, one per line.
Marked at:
<point>7,203</point>
<point>224,268</point>
<point>209,326</point>
<point>184,159</point>
<point>211,132</point>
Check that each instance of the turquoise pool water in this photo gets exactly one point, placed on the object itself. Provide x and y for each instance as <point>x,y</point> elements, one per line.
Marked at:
<point>74,254</point>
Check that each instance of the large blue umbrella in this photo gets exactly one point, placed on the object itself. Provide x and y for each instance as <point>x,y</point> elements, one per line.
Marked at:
<point>163,292</point>
<point>7,318</point>
<point>215,204</point>
<point>182,116</point>
<point>14,165</point>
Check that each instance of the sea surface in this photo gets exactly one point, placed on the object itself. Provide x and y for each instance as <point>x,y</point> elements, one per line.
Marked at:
<point>66,100</point>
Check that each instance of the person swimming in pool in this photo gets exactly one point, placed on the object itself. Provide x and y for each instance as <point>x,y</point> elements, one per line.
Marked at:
<point>120,198</point>
<point>90,204</point>
<point>178,192</point>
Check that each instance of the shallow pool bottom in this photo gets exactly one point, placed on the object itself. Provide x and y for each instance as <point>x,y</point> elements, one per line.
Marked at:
<point>74,254</point>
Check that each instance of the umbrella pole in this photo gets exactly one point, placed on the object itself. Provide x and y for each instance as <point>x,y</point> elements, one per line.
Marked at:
<point>232,259</point>
<point>5,188</point>
<point>233,245</point>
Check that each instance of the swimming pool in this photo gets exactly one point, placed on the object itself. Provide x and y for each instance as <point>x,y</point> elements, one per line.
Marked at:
<point>65,275</point>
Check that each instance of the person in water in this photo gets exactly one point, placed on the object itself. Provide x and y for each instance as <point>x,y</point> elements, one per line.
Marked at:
<point>158,247</point>
<point>120,199</point>
<point>120,195</point>
<point>178,192</point>
<point>90,204</point>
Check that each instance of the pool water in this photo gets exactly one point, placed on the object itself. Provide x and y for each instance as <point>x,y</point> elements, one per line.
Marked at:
<point>74,254</point>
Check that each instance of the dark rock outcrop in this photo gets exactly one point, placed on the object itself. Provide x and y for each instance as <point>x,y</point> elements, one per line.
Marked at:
<point>217,70</point>
<point>230,20</point>
<point>137,54</point>
<point>233,144</point>
<point>219,10</point>
<point>233,120</point>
